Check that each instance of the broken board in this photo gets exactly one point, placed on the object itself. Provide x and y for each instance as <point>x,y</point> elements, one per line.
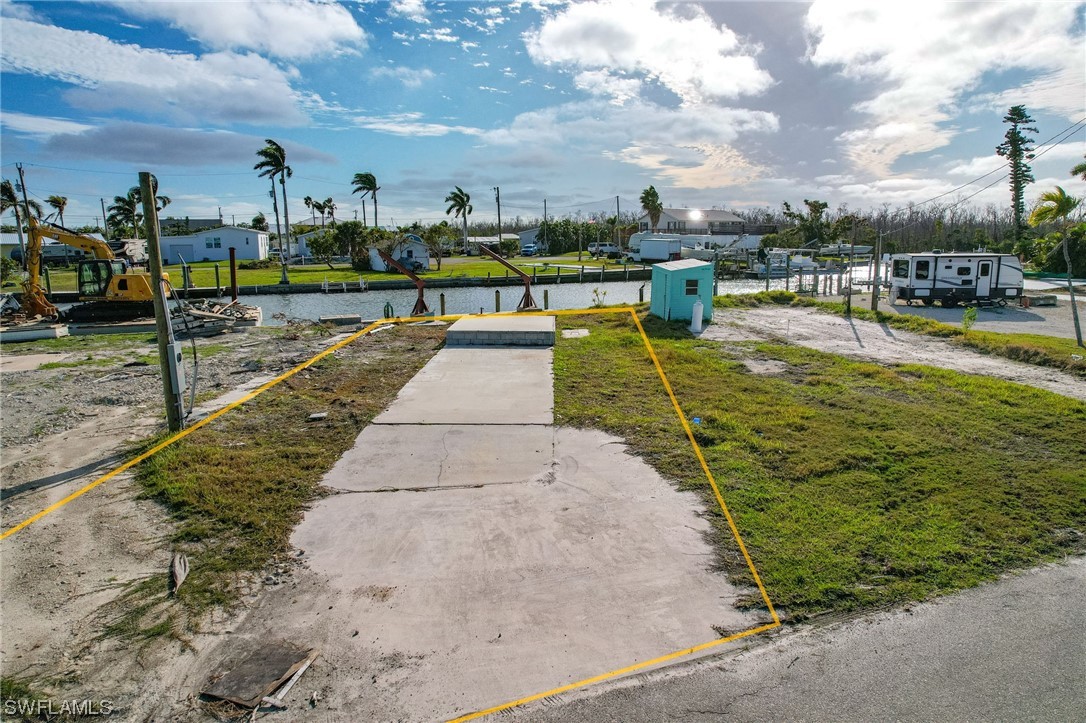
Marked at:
<point>259,674</point>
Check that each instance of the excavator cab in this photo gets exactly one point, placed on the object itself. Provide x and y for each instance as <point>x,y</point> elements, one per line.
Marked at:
<point>95,275</point>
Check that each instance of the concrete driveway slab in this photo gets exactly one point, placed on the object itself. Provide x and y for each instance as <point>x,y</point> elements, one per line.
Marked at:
<point>470,385</point>
<point>415,456</point>
<point>492,593</point>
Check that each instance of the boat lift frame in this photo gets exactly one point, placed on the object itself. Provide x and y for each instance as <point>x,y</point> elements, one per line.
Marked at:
<point>527,303</point>
<point>421,309</point>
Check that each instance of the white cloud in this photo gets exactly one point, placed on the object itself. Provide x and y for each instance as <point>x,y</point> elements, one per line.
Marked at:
<point>924,58</point>
<point>698,166</point>
<point>409,124</point>
<point>284,28</point>
<point>443,35</point>
<point>976,167</point>
<point>602,83</point>
<point>413,10</point>
<point>216,87</point>
<point>40,126</point>
<point>22,11</point>
<point>680,47</point>
<point>410,77</point>
<point>693,146</point>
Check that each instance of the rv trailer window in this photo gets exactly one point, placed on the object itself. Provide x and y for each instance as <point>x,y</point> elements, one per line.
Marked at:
<point>901,268</point>
<point>922,269</point>
<point>984,269</point>
<point>964,271</point>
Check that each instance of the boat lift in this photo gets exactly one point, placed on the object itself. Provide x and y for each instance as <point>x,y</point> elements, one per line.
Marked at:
<point>527,303</point>
<point>421,309</point>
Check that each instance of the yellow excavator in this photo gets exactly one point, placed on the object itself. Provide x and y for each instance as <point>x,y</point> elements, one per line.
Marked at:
<point>108,289</point>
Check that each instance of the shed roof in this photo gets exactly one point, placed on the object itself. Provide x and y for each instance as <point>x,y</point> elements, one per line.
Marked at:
<point>682,264</point>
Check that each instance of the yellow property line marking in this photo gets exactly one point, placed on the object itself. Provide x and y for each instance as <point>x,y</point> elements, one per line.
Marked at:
<point>731,524</point>
<point>187,431</point>
<point>449,317</point>
<point>615,673</point>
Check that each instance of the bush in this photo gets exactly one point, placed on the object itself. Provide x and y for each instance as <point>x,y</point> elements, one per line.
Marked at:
<point>9,270</point>
<point>261,264</point>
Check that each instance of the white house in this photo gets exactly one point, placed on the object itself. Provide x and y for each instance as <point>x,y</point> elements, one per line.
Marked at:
<point>411,253</point>
<point>215,244</point>
<point>531,236</point>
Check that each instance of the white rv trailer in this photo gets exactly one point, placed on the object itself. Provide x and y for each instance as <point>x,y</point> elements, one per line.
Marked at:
<point>954,278</point>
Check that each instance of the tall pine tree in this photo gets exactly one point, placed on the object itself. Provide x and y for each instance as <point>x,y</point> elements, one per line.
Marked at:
<point>1017,148</point>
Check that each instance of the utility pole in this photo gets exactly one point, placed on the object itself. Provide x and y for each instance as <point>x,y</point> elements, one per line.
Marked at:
<point>498,198</point>
<point>105,218</point>
<point>26,213</point>
<point>876,274</point>
<point>618,224</point>
<point>545,244</point>
<point>169,354</point>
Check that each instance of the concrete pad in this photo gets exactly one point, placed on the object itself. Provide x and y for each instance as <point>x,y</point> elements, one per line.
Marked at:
<point>503,323</point>
<point>478,386</point>
<point>502,331</point>
<point>493,593</point>
<point>416,457</point>
<point>28,362</point>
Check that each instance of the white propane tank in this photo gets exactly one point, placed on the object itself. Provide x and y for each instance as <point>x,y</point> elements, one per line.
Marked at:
<point>695,321</point>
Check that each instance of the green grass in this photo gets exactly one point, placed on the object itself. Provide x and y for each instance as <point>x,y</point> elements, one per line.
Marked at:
<point>1035,349</point>
<point>87,361</point>
<point>237,487</point>
<point>853,485</point>
<point>92,342</point>
<point>203,273</point>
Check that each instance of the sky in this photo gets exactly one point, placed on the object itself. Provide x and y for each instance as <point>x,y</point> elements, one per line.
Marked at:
<point>734,105</point>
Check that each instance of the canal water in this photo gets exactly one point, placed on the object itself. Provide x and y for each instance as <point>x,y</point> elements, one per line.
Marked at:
<point>467,300</point>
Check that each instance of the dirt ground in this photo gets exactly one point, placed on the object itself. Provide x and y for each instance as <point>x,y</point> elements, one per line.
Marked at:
<point>62,428</point>
<point>876,342</point>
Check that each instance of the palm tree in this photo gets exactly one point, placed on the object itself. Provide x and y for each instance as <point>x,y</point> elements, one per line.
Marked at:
<point>460,202</point>
<point>650,204</point>
<point>59,203</point>
<point>330,207</point>
<point>124,212</point>
<point>367,183</point>
<point>361,181</point>
<point>308,201</point>
<point>10,200</point>
<point>1056,206</point>
<point>273,161</point>
<point>1079,170</point>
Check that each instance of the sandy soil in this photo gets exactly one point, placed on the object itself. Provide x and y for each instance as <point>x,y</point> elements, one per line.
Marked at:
<point>63,428</point>
<point>877,342</point>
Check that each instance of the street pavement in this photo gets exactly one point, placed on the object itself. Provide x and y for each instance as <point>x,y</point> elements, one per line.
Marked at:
<point>1013,650</point>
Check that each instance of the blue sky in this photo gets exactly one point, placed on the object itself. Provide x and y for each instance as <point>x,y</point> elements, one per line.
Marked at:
<point>722,104</point>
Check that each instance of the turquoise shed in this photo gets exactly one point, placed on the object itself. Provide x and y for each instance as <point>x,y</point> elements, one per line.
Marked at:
<point>676,285</point>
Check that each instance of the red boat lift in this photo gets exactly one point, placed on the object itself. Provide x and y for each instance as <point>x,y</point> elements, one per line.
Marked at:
<point>527,303</point>
<point>421,309</point>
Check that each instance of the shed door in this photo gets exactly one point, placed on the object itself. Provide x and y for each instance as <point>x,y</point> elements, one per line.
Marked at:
<point>984,279</point>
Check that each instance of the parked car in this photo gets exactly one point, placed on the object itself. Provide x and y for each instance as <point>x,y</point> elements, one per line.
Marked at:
<point>529,250</point>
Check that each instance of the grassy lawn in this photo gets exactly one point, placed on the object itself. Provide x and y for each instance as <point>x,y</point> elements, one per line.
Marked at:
<point>853,485</point>
<point>237,487</point>
<point>203,273</point>
<point>1030,348</point>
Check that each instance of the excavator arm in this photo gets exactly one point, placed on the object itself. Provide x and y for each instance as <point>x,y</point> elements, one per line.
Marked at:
<point>87,244</point>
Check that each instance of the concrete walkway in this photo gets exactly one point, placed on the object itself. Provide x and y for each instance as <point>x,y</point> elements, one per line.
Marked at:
<point>492,556</point>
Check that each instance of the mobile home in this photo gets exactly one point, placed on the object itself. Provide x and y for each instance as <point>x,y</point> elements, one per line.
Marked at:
<point>955,278</point>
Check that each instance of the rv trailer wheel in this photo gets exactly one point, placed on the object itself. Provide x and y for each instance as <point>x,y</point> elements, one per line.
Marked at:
<point>949,302</point>
<point>929,302</point>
